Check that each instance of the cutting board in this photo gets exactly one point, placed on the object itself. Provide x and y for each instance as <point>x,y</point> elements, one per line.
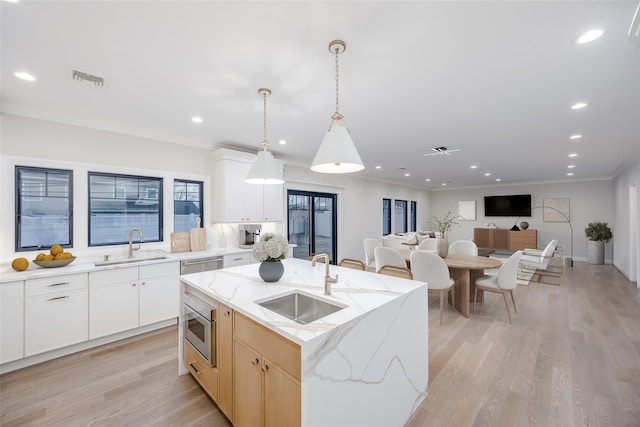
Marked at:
<point>198,238</point>
<point>181,241</point>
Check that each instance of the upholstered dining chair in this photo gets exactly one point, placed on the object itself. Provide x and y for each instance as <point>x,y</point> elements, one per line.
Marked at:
<point>429,267</point>
<point>392,270</point>
<point>428,245</point>
<point>463,247</point>
<point>388,256</point>
<point>369,254</point>
<point>505,281</point>
<point>356,264</point>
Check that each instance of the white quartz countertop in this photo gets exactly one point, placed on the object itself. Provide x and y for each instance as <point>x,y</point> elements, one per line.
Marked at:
<point>84,264</point>
<point>359,292</point>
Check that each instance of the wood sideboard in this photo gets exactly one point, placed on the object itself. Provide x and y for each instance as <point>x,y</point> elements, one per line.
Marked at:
<point>504,238</point>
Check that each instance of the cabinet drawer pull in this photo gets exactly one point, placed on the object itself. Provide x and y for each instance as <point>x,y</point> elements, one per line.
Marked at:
<point>227,313</point>
<point>238,259</point>
<point>144,283</point>
<point>255,361</point>
<point>58,284</point>
<point>265,368</point>
<point>55,298</point>
<point>133,284</point>
<point>194,368</point>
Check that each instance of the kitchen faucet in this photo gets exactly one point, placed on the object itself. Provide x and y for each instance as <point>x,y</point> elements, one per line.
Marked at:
<point>328,280</point>
<point>131,248</point>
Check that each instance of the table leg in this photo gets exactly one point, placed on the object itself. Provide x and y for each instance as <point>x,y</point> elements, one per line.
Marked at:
<point>462,289</point>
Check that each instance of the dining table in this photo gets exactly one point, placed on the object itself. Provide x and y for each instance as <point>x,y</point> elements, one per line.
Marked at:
<point>464,270</point>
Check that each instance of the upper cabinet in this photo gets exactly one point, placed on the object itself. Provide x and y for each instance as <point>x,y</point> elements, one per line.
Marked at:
<point>237,201</point>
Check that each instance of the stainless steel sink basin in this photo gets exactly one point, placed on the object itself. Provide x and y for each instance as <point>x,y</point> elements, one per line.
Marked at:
<point>301,308</point>
<point>127,261</point>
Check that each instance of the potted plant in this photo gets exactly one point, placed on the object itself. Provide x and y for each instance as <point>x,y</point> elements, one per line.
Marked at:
<point>598,234</point>
<point>270,250</point>
<point>443,226</point>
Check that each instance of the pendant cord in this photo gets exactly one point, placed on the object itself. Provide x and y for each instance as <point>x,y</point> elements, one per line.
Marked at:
<point>264,104</point>
<point>337,80</point>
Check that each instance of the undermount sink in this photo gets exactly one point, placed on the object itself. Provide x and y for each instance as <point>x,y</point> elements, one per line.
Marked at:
<point>300,308</point>
<point>127,261</point>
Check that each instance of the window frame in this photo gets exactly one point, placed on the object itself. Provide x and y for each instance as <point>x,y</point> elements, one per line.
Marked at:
<point>413,215</point>
<point>386,216</point>
<point>395,225</point>
<point>160,203</point>
<point>200,199</point>
<point>18,206</point>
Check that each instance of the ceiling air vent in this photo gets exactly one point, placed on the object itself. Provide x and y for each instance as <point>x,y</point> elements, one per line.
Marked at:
<point>87,78</point>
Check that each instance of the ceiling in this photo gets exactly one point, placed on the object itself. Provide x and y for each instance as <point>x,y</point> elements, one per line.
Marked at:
<point>495,79</point>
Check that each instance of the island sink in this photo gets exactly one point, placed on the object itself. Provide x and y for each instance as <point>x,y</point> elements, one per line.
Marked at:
<point>300,308</point>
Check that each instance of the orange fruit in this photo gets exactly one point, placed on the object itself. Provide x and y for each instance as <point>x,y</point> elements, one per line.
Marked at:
<point>59,257</point>
<point>40,257</point>
<point>20,264</point>
<point>48,258</point>
<point>68,255</point>
<point>56,249</point>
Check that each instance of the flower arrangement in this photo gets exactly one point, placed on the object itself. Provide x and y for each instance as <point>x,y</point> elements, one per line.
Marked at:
<point>271,248</point>
<point>445,224</point>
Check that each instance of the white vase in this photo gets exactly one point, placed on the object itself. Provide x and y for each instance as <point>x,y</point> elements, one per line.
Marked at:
<point>443,247</point>
<point>595,252</point>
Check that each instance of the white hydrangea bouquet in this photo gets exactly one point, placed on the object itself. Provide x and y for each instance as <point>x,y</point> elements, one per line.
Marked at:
<point>271,248</point>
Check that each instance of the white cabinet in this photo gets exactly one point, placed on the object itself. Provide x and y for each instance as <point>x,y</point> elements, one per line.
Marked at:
<point>11,321</point>
<point>56,312</point>
<point>126,298</point>
<point>232,260</point>
<point>238,201</point>
<point>113,301</point>
<point>159,292</point>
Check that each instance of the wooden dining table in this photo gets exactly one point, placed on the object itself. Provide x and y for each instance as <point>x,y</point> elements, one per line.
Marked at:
<point>464,270</point>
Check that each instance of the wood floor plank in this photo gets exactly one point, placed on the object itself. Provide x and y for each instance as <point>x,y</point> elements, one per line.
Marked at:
<point>570,358</point>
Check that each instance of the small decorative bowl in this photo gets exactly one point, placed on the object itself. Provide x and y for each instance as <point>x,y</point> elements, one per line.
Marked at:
<point>54,263</point>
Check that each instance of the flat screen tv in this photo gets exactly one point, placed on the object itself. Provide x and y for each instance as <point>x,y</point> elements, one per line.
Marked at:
<point>518,205</point>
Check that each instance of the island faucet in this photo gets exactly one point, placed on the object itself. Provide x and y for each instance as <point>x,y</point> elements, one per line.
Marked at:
<point>328,280</point>
<point>131,248</point>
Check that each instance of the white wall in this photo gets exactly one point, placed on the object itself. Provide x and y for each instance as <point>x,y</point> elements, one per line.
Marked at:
<point>626,240</point>
<point>589,201</point>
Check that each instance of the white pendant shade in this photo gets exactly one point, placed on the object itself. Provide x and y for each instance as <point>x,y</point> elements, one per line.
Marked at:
<point>337,153</point>
<point>264,170</point>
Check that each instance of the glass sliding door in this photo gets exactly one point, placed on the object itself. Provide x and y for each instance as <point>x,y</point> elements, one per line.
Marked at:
<point>312,223</point>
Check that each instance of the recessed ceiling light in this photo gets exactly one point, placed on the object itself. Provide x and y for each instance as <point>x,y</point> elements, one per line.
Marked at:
<point>576,136</point>
<point>25,76</point>
<point>578,105</point>
<point>589,36</point>
<point>498,179</point>
<point>407,174</point>
<point>573,155</point>
<point>12,1</point>
<point>196,119</point>
<point>571,166</point>
<point>378,167</point>
<point>444,183</point>
<point>474,167</point>
<point>569,173</point>
<point>428,179</point>
<point>487,174</point>
<point>282,142</point>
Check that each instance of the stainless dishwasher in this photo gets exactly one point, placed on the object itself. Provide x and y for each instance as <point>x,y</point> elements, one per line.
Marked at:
<point>200,264</point>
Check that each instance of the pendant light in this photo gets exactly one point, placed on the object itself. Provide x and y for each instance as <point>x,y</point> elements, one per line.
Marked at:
<point>337,153</point>
<point>264,169</point>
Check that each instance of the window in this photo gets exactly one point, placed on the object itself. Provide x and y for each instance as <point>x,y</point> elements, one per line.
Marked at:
<point>44,208</point>
<point>386,217</point>
<point>312,223</point>
<point>400,216</point>
<point>118,203</point>
<point>187,204</point>
<point>413,208</point>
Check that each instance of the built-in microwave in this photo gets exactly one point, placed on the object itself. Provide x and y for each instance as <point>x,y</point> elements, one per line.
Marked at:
<point>199,327</point>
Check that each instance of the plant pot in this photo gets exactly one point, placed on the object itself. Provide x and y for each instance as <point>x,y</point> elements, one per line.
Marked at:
<point>271,271</point>
<point>443,247</point>
<point>595,252</point>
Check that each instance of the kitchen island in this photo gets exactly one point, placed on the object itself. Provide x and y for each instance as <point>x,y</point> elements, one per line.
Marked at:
<point>363,365</point>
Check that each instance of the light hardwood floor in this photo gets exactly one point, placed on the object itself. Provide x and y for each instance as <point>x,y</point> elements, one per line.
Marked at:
<point>570,358</point>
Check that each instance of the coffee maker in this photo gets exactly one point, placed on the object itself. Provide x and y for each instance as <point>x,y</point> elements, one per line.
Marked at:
<point>248,235</point>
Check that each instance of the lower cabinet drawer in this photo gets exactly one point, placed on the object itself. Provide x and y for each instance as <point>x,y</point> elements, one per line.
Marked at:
<point>206,376</point>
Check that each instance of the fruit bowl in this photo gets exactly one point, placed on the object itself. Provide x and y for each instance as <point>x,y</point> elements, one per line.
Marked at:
<point>54,263</point>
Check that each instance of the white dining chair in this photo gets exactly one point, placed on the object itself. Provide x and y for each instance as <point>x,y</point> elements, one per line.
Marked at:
<point>505,281</point>
<point>388,256</point>
<point>463,247</point>
<point>369,254</point>
<point>430,268</point>
<point>428,245</point>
